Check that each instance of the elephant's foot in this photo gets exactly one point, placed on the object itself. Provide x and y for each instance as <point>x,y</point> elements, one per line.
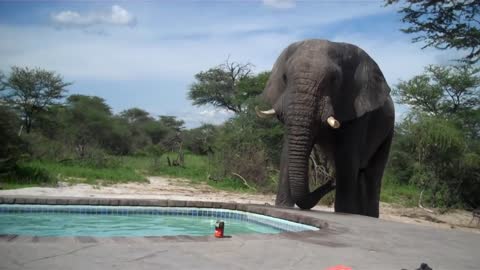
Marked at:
<point>280,205</point>
<point>284,202</point>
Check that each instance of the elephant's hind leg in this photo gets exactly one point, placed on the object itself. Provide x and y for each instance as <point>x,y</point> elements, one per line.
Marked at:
<point>373,178</point>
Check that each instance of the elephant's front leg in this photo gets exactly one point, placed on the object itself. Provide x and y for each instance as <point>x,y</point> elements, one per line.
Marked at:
<point>284,198</point>
<point>349,142</point>
<point>347,185</point>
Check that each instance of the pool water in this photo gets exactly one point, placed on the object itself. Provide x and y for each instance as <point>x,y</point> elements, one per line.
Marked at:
<point>133,221</point>
<point>115,225</point>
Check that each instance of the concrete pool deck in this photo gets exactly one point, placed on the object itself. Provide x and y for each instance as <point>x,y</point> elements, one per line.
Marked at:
<point>355,241</point>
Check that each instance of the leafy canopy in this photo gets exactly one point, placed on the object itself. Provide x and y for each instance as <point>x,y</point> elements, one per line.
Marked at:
<point>227,86</point>
<point>441,90</point>
<point>444,24</point>
<point>31,91</point>
<point>136,115</point>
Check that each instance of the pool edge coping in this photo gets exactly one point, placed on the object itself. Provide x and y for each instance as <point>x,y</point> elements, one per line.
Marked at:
<point>267,210</point>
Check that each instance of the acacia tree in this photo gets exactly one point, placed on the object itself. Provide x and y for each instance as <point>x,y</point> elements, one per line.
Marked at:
<point>219,86</point>
<point>441,90</point>
<point>142,126</point>
<point>136,116</point>
<point>200,140</point>
<point>444,24</point>
<point>89,121</point>
<point>32,91</point>
<point>451,92</point>
<point>171,122</point>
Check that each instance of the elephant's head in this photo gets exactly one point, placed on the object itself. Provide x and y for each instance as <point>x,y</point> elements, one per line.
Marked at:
<point>317,84</point>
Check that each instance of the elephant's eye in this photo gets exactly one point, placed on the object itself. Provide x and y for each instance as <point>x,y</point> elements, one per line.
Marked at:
<point>284,77</point>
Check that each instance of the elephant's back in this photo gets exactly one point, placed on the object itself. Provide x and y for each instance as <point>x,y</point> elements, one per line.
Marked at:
<point>318,47</point>
<point>337,51</point>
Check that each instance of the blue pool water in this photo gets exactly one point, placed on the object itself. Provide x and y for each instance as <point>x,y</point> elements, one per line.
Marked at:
<point>104,221</point>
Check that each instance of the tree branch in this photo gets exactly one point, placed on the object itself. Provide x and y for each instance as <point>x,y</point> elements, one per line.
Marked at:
<point>244,181</point>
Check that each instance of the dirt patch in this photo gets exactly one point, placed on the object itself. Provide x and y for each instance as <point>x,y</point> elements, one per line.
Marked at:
<point>453,219</point>
<point>180,189</point>
<point>157,188</point>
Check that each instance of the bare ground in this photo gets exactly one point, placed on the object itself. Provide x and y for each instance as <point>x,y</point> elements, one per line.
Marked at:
<point>180,189</point>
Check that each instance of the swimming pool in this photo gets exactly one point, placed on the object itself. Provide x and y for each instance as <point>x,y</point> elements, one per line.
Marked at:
<point>107,221</point>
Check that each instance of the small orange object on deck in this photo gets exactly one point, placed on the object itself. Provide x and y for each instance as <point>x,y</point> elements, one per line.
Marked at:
<point>219,227</point>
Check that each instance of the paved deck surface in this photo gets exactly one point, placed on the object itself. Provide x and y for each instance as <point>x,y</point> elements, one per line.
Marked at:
<point>354,241</point>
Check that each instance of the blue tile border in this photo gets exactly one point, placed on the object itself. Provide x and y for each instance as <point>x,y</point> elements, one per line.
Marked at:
<point>279,224</point>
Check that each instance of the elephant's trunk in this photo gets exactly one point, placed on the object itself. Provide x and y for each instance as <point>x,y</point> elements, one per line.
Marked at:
<point>300,119</point>
<point>299,147</point>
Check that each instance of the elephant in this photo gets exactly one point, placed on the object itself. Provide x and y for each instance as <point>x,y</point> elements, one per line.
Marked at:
<point>331,96</point>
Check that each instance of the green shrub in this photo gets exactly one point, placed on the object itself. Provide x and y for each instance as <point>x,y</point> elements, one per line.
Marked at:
<point>395,191</point>
<point>27,175</point>
<point>74,171</point>
<point>41,147</point>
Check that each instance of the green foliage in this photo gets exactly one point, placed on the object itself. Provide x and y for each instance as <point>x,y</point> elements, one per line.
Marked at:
<point>200,140</point>
<point>76,139</point>
<point>51,122</point>
<point>86,172</point>
<point>249,87</point>
<point>38,146</point>
<point>419,94</point>
<point>441,90</point>
<point>196,169</point>
<point>82,140</point>
<point>31,91</point>
<point>436,147</point>
<point>136,116</point>
<point>145,131</point>
<point>244,145</point>
<point>171,122</point>
<point>156,151</point>
<point>444,24</point>
<point>248,146</point>
<point>155,131</point>
<point>239,151</point>
<point>25,175</point>
<point>439,149</point>
<point>89,123</point>
<point>227,86</point>
<point>11,143</point>
<point>397,192</point>
<point>118,139</point>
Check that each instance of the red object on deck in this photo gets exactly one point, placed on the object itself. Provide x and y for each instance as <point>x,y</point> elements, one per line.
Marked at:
<point>219,227</point>
<point>339,267</point>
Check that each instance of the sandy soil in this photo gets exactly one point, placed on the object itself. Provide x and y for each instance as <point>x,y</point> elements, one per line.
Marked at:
<point>179,189</point>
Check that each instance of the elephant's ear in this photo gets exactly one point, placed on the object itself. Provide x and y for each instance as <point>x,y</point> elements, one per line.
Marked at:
<point>364,91</point>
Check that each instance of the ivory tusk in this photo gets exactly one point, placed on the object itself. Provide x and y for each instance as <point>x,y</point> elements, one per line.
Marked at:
<point>265,114</point>
<point>333,122</point>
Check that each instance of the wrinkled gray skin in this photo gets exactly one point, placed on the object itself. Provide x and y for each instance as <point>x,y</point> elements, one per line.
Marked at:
<point>310,81</point>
